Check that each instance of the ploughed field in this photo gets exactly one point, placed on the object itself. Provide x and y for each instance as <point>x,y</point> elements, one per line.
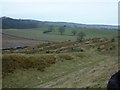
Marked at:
<point>66,64</point>
<point>9,41</point>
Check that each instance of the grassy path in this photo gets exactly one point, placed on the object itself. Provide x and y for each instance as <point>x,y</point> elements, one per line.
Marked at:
<point>92,74</point>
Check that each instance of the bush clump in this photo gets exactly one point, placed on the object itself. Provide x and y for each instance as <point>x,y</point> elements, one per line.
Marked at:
<point>65,57</point>
<point>81,55</point>
<point>12,62</point>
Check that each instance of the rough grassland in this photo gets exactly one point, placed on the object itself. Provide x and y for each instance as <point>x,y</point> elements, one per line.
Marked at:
<point>92,71</point>
<point>90,68</point>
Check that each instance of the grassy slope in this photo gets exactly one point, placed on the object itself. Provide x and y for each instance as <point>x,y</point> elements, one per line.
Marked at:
<point>86,69</point>
<point>92,70</point>
<point>84,72</point>
<point>55,35</point>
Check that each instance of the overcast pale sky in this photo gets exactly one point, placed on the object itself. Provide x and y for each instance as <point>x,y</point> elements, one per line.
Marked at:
<point>79,11</point>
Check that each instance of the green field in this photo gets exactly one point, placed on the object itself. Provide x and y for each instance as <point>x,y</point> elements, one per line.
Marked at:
<point>37,33</point>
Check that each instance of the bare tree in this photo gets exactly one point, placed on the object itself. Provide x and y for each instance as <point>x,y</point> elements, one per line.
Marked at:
<point>80,36</point>
<point>62,30</point>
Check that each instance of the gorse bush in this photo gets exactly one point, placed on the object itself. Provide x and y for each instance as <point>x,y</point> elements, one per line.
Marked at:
<point>65,57</point>
<point>81,55</point>
<point>13,61</point>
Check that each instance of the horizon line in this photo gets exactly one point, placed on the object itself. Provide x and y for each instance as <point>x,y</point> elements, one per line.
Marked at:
<point>60,21</point>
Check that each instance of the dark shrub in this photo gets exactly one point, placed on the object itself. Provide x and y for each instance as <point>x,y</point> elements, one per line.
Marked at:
<point>112,40</point>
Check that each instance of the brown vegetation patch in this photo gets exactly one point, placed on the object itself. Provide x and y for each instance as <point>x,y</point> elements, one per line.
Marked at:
<point>65,57</point>
<point>15,61</point>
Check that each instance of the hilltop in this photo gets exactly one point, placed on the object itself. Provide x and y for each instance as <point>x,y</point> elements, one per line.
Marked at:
<point>10,23</point>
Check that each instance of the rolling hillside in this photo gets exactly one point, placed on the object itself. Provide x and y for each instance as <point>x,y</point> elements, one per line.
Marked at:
<point>10,23</point>
<point>61,65</point>
<point>37,33</point>
<point>55,60</point>
<point>34,30</point>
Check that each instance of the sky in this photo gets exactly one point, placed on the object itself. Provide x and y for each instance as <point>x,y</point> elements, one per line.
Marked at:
<point>77,11</point>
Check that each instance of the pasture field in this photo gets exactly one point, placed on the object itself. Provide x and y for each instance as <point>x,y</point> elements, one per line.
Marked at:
<point>37,33</point>
<point>67,64</point>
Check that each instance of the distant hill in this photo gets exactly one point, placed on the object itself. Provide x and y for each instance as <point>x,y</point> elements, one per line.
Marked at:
<point>82,25</point>
<point>10,23</point>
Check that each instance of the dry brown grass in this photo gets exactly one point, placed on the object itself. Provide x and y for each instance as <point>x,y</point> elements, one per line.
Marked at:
<point>65,57</point>
<point>12,62</point>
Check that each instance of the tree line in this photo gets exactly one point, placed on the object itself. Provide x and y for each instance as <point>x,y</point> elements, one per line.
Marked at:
<point>9,23</point>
